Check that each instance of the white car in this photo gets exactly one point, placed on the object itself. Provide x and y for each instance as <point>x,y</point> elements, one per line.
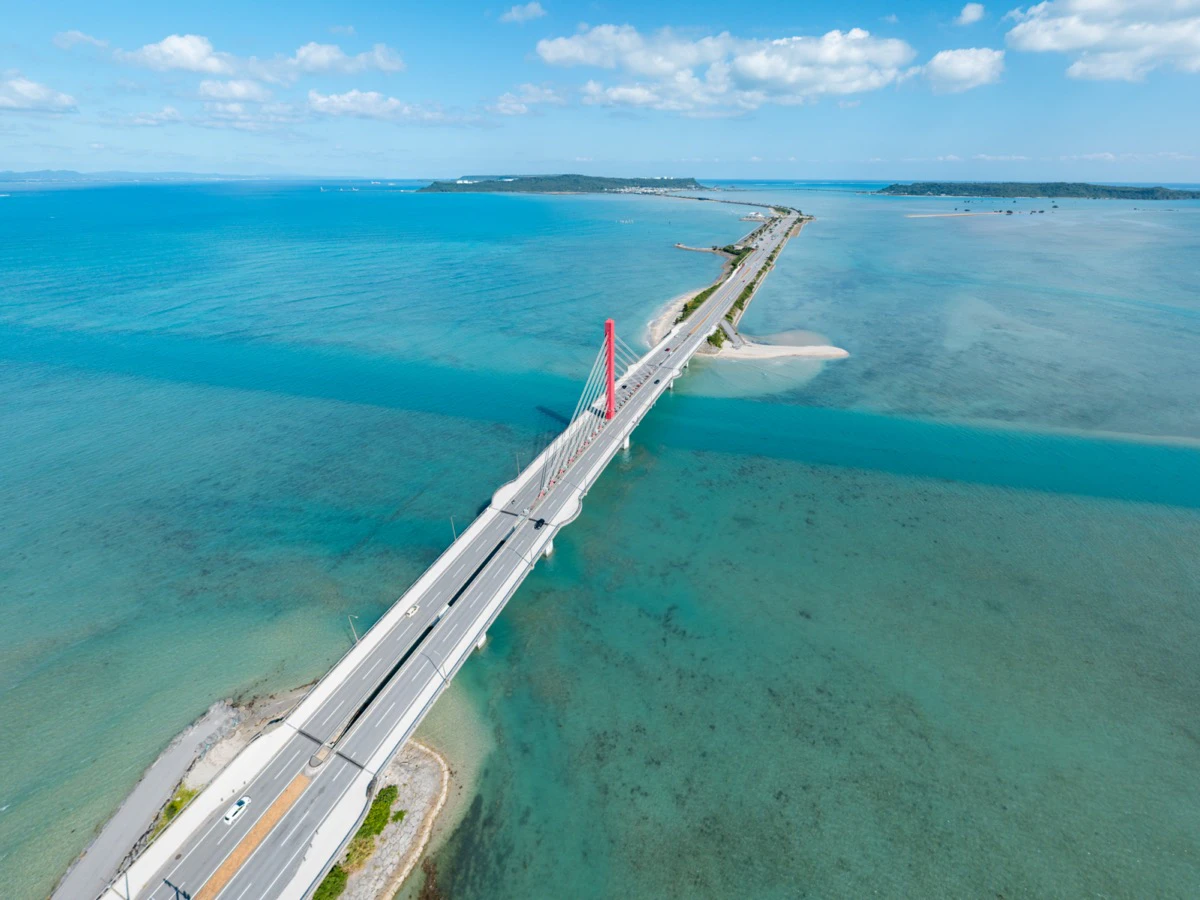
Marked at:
<point>412,611</point>
<point>236,810</point>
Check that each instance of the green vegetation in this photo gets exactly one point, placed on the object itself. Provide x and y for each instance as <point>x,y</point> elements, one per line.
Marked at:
<point>780,210</point>
<point>333,885</point>
<point>182,797</point>
<point>557,184</point>
<point>717,338</point>
<point>378,814</point>
<point>696,302</point>
<point>399,815</point>
<point>737,254</point>
<point>748,291</point>
<point>362,845</point>
<point>1010,189</point>
<point>360,850</point>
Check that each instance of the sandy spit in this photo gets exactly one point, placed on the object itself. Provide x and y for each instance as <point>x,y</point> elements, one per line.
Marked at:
<point>751,350</point>
<point>664,320</point>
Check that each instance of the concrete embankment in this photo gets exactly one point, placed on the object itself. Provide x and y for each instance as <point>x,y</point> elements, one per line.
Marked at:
<point>204,748</point>
<point>128,831</point>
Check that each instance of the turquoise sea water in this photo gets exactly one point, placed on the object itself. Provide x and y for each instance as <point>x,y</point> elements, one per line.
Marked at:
<point>921,622</point>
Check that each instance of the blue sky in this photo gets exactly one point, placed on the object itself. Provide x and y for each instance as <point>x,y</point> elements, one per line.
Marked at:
<point>1074,89</point>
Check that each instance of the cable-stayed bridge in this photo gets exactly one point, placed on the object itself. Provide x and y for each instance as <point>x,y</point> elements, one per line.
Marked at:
<point>310,779</point>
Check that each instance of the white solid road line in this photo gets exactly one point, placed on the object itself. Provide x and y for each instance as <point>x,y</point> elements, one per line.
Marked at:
<point>303,844</point>
<point>256,849</point>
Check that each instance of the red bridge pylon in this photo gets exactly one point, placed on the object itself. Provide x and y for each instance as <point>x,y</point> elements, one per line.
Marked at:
<point>610,355</point>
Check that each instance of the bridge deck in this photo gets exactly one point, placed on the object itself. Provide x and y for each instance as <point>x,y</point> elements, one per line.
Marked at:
<point>364,709</point>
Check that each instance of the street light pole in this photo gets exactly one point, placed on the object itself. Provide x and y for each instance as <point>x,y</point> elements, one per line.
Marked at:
<point>453,530</point>
<point>353,631</point>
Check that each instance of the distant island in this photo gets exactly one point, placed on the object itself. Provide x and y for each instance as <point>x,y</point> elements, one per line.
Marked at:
<point>1040,189</point>
<point>560,184</point>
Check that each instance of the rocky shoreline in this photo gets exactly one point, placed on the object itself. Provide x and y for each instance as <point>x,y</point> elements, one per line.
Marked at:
<point>423,777</point>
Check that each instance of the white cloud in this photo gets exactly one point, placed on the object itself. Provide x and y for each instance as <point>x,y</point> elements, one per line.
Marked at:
<point>623,46</point>
<point>521,101</point>
<point>194,53</point>
<point>524,13</point>
<point>849,104</point>
<point>168,115</point>
<point>19,94</point>
<point>971,13</point>
<point>594,93</point>
<point>238,89</point>
<point>670,72</point>
<point>188,52</point>
<point>1162,155</point>
<point>955,71</point>
<point>240,117</point>
<point>347,30</point>
<point>374,105</point>
<point>949,157</point>
<point>891,18</point>
<point>68,39</point>
<point>1004,157</point>
<point>314,57</point>
<point>1112,39</point>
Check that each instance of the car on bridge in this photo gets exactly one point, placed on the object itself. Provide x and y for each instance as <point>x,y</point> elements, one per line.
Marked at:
<point>236,810</point>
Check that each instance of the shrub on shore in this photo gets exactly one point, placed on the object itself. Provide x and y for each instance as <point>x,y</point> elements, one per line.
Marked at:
<point>333,885</point>
<point>181,798</point>
<point>696,302</point>
<point>362,845</point>
<point>379,813</point>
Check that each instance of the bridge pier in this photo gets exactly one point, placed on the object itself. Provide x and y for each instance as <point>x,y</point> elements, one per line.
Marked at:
<point>482,640</point>
<point>549,548</point>
<point>625,443</point>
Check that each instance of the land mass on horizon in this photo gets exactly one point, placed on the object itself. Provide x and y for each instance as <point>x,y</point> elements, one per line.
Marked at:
<point>559,184</point>
<point>1065,189</point>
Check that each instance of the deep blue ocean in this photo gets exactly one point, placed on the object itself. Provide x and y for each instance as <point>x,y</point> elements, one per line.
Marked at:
<point>924,621</point>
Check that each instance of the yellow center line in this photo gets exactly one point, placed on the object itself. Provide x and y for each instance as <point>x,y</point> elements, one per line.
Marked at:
<point>253,838</point>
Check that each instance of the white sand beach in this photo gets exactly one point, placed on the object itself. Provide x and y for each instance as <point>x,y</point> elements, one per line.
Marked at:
<point>752,350</point>
<point>664,320</point>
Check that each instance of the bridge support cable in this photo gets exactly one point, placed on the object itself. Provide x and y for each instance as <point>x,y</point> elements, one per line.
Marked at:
<point>627,350</point>
<point>562,445</point>
<point>575,435</point>
<point>591,412</point>
<point>626,357</point>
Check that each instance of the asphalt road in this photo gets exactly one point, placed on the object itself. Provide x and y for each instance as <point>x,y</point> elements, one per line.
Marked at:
<point>506,547</point>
